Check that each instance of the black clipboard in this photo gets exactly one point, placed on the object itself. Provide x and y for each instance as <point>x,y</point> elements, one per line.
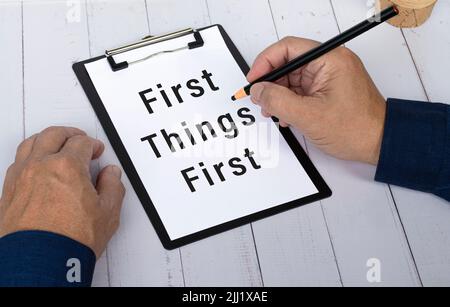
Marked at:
<point>130,170</point>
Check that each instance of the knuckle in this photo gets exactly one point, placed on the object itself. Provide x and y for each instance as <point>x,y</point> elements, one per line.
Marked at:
<point>25,144</point>
<point>49,134</point>
<point>11,169</point>
<point>351,60</point>
<point>22,146</point>
<point>345,52</point>
<point>260,56</point>
<point>51,130</point>
<point>289,39</point>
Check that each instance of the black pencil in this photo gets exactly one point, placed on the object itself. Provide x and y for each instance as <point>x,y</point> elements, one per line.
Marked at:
<point>317,52</point>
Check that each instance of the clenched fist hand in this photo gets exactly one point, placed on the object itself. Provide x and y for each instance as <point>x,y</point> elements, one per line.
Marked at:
<point>49,188</point>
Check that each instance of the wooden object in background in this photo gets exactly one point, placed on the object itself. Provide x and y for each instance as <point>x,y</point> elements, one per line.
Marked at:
<point>412,14</point>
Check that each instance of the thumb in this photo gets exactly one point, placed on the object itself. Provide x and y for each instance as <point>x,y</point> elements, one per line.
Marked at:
<point>279,101</point>
<point>110,188</point>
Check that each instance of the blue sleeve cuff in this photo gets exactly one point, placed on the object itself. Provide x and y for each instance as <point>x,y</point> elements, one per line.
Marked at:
<point>44,259</point>
<point>415,151</point>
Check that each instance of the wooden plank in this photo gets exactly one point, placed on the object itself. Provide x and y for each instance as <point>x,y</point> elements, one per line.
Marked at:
<point>135,255</point>
<point>294,247</point>
<point>361,215</point>
<point>228,259</point>
<point>55,36</point>
<point>167,16</point>
<point>429,45</point>
<point>11,103</point>
<point>426,217</point>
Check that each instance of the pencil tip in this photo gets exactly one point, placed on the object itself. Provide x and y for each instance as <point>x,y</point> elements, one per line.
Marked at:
<point>239,95</point>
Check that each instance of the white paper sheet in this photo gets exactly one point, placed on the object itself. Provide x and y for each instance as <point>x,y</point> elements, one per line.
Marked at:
<point>280,179</point>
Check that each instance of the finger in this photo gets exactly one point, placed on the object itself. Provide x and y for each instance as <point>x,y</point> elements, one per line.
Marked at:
<point>268,115</point>
<point>25,148</point>
<point>265,113</point>
<point>110,188</point>
<point>278,54</point>
<point>280,101</point>
<point>284,124</point>
<point>83,147</point>
<point>51,140</point>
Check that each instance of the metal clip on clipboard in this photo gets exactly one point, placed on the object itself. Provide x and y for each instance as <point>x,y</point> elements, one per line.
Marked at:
<point>150,40</point>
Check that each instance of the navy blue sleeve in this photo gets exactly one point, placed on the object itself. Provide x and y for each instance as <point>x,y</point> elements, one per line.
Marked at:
<point>43,259</point>
<point>415,152</point>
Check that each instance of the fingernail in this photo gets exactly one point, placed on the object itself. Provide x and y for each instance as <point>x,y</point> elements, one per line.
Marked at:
<point>116,171</point>
<point>256,91</point>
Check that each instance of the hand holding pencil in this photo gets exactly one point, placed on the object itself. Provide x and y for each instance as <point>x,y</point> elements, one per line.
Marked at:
<point>331,100</point>
<point>324,91</point>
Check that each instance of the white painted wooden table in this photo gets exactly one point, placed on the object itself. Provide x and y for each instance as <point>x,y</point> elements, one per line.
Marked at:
<point>326,243</point>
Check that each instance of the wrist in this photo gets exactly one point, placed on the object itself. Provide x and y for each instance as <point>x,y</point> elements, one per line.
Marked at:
<point>377,131</point>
